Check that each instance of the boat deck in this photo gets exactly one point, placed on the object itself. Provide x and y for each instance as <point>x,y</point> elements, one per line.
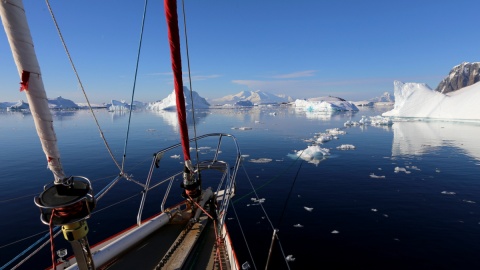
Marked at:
<point>185,250</point>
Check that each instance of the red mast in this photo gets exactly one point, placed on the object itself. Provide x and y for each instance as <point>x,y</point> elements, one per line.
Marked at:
<point>174,40</point>
<point>191,186</point>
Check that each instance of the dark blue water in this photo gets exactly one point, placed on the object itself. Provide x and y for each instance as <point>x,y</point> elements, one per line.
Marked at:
<point>422,213</point>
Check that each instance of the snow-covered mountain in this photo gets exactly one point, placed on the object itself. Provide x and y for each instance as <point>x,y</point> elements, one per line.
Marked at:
<point>58,103</point>
<point>385,97</point>
<point>169,102</point>
<point>4,105</point>
<point>255,97</point>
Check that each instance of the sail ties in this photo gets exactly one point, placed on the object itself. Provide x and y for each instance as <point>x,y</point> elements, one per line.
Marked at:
<point>25,79</point>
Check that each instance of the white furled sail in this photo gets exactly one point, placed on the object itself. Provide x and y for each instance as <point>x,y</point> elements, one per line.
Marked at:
<point>18,34</point>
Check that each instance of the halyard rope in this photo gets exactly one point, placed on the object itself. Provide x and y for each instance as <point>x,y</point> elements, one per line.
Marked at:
<point>82,88</point>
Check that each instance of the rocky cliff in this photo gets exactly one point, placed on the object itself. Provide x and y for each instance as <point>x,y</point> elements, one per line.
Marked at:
<point>460,76</point>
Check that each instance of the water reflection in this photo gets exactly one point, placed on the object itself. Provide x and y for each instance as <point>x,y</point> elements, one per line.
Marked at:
<point>170,117</point>
<point>422,137</point>
<point>325,116</point>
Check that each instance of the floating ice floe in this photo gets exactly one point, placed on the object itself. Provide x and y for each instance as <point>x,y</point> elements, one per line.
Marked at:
<point>309,209</point>
<point>372,175</point>
<point>298,225</point>
<point>364,121</point>
<point>399,169</point>
<point>468,201</point>
<point>335,232</point>
<point>242,128</point>
<point>312,151</point>
<point>322,138</point>
<point>346,147</point>
<point>261,160</point>
<point>335,131</point>
<point>151,130</point>
<point>255,200</point>
<point>175,156</point>
<point>350,123</point>
<point>290,258</point>
<point>374,210</point>
<point>448,192</point>
<point>380,121</point>
<point>312,154</point>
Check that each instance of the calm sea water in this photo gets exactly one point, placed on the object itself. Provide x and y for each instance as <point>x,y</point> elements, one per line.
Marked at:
<point>420,212</point>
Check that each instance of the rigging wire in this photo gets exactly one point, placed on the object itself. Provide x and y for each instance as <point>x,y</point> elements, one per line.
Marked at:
<point>254,191</point>
<point>82,88</point>
<point>267,217</point>
<point>190,83</point>
<point>290,193</point>
<point>243,234</point>
<point>134,84</point>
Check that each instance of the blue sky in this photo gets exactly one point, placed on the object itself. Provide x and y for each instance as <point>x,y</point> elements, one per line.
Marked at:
<point>346,48</point>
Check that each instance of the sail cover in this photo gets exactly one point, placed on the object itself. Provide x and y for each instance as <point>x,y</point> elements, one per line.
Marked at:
<point>174,39</point>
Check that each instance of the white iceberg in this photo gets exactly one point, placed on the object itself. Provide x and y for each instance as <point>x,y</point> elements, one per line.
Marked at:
<point>60,103</point>
<point>325,104</point>
<point>118,106</point>
<point>19,106</point>
<point>169,103</point>
<point>420,101</point>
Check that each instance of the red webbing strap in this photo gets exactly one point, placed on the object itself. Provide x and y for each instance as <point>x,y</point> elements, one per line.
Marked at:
<point>25,79</point>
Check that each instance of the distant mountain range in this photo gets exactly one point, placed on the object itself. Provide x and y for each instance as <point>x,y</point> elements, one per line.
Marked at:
<point>255,97</point>
<point>386,97</point>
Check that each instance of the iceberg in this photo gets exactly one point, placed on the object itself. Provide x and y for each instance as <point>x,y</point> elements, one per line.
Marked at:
<point>118,106</point>
<point>20,106</point>
<point>325,104</point>
<point>418,100</point>
<point>169,103</point>
<point>60,103</point>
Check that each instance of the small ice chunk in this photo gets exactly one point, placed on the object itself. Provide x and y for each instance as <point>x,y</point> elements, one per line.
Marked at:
<point>261,160</point>
<point>335,232</point>
<point>374,210</point>
<point>372,175</point>
<point>298,225</point>
<point>309,209</point>
<point>346,147</point>
<point>262,200</point>
<point>175,156</point>
<point>400,169</point>
<point>290,258</point>
<point>448,192</point>
<point>322,138</point>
